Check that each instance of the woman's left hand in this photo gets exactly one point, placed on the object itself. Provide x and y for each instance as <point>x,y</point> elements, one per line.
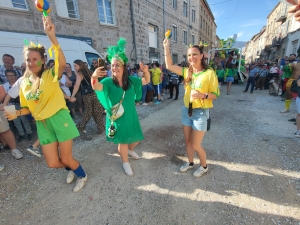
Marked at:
<point>197,95</point>
<point>49,27</point>
<point>295,9</point>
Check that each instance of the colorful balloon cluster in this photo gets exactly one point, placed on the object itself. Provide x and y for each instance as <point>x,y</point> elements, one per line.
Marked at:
<point>168,34</point>
<point>43,6</point>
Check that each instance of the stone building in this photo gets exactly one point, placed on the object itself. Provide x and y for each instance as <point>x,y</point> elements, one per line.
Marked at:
<point>280,38</point>
<point>100,23</point>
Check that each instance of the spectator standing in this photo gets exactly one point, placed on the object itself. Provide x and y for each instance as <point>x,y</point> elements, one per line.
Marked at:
<point>262,77</point>
<point>94,65</point>
<point>92,106</point>
<point>8,63</point>
<point>21,121</point>
<point>108,69</point>
<point>156,80</point>
<point>253,72</point>
<point>75,90</point>
<point>165,79</point>
<point>174,83</point>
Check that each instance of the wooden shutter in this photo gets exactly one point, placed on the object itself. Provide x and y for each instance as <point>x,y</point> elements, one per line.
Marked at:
<point>61,8</point>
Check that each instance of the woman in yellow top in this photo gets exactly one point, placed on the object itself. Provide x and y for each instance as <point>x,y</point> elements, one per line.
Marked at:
<point>201,88</point>
<point>40,95</point>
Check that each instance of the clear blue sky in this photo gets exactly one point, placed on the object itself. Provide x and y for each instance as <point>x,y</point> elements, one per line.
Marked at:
<point>242,17</point>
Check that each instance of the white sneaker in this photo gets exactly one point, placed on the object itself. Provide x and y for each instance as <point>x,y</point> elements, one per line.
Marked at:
<point>1,167</point>
<point>163,94</point>
<point>133,154</point>
<point>127,169</point>
<point>185,167</point>
<point>17,154</point>
<point>70,177</point>
<point>84,131</point>
<point>285,111</point>
<point>145,103</point>
<point>200,171</point>
<point>297,134</point>
<point>80,183</point>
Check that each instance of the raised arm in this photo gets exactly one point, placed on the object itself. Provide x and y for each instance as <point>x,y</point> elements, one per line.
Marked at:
<point>168,59</point>
<point>50,31</point>
<point>145,69</point>
<point>99,72</point>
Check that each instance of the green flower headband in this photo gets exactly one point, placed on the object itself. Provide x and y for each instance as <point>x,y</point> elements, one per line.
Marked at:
<point>118,52</point>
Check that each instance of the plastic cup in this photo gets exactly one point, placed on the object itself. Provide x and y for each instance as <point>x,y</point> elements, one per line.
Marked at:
<point>192,92</point>
<point>11,110</point>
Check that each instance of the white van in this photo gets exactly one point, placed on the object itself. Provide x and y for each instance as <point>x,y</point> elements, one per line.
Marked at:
<point>12,43</point>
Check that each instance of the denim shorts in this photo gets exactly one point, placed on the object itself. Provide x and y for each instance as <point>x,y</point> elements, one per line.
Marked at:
<point>198,120</point>
<point>298,104</point>
<point>229,79</point>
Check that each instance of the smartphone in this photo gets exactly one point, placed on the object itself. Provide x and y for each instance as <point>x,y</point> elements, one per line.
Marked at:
<point>101,63</point>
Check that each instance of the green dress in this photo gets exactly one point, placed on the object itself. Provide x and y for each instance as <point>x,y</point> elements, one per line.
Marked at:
<point>128,128</point>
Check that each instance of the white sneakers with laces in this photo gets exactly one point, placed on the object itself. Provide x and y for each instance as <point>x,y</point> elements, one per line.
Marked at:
<point>127,168</point>
<point>70,177</point>
<point>185,167</point>
<point>80,183</point>
<point>16,153</point>
<point>200,171</point>
<point>133,154</point>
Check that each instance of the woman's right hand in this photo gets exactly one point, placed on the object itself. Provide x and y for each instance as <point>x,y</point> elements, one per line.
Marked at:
<point>99,72</point>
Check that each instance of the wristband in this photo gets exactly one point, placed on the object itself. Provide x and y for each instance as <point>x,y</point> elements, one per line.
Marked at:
<point>206,96</point>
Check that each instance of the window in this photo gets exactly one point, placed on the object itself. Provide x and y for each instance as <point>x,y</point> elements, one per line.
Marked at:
<point>200,21</point>
<point>185,9</point>
<point>152,31</point>
<point>294,46</point>
<point>67,8</point>
<point>193,15</point>
<point>185,37</point>
<point>174,33</point>
<point>90,56</point>
<point>106,11</point>
<point>174,4</point>
<point>175,58</point>
<point>15,4</point>
<point>193,39</point>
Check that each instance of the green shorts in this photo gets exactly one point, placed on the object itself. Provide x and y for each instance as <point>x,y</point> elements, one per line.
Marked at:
<point>59,127</point>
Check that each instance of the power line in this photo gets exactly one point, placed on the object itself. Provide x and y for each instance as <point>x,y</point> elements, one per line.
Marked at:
<point>219,2</point>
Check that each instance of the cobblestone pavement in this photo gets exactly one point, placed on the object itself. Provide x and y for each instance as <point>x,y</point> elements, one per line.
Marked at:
<point>253,177</point>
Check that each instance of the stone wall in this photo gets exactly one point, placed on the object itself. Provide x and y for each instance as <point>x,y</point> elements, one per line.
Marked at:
<point>145,12</point>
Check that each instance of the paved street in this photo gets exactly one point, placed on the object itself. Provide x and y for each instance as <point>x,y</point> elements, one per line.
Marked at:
<point>253,177</point>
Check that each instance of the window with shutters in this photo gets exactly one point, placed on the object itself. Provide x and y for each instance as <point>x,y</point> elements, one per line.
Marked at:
<point>67,8</point>
<point>152,31</point>
<point>174,58</point>
<point>174,4</point>
<point>174,33</point>
<point>185,37</point>
<point>193,15</point>
<point>185,9</point>
<point>106,11</point>
<point>15,4</point>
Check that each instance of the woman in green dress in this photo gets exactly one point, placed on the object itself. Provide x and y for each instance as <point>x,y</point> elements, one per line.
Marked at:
<point>126,89</point>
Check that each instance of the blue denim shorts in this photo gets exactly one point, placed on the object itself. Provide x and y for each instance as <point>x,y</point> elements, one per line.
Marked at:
<point>198,120</point>
<point>298,104</point>
<point>229,79</point>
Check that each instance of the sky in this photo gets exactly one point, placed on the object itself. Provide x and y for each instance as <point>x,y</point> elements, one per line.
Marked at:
<point>242,17</point>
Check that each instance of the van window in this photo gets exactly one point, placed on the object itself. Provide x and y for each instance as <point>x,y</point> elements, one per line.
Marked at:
<point>90,56</point>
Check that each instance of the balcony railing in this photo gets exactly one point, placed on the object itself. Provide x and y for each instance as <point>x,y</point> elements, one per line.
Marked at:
<point>276,42</point>
<point>268,48</point>
<point>281,16</point>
